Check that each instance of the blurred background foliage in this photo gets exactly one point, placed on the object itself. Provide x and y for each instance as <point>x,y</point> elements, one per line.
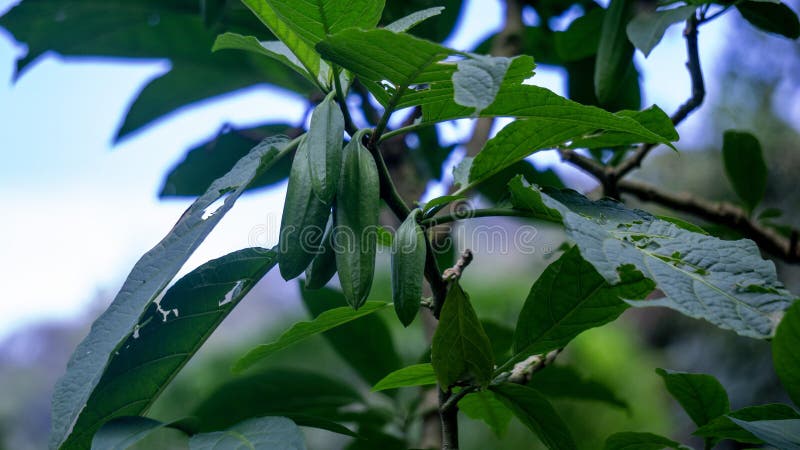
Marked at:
<point>760,75</point>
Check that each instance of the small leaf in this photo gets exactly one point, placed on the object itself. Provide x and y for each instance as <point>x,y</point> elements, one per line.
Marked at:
<point>324,142</point>
<point>416,375</point>
<point>410,21</point>
<point>786,352</point>
<point>302,330</point>
<point>771,17</point>
<point>264,433</point>
<point>485,406</point>
<point>702,396</point>
<point>536,413</point>
<point>460,347</point>
<point>647,28</point>
<point>781,434</point>
<point>639,441</point>
<point>124,432</point>
<point>745,166</point>
<point>569,298</point>
<point>770,213</point>
<point>724,428</point>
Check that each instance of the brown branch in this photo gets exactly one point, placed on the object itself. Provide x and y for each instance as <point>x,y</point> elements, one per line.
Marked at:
<point>696,99</point>
<point>720,213</point>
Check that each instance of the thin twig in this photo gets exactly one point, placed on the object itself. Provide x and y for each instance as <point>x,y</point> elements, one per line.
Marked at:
<point>720,213</point>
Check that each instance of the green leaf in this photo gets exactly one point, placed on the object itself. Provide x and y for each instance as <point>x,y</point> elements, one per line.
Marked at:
<point>128,30</point>
<point>147,280</point>
<point>581,39</point>
<point>303,396</point>
<point>477,81</point>
<point>566,382</point>
<point>461,172</point>
<point>614,52</point>
<point>410,21</point>
<point>786,352</point>
<point>501,337</point>
<point>569,298</point>
<point>702,396</point>
<point>485,406</point>
<point>313,20</point>
<point>408,267</point>
<point>276,50</point>
<point>724,282</point>
<point>771,17</point>
<point>745,166</point>
<point>302,330</point>
<point>460,347</point>
<point>263,433</point>
<point>652,118</point>
<point>782,434</point>
<point>167,335</point>
<point>436,27</point>
<point>647,28</point>
<point>324,143</point>
<point>123,432</point>
<point>536,413</point>
<point>416,375</point>
<point>724,428</point>
<point>529,198</point>
<point>639,441</point>
<point>213,158</point>
<point>366,344</point>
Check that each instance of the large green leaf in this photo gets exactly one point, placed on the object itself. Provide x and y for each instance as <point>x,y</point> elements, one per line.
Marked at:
<point>614,51</point>
<point>639,441</point>
<point>213,158</point>
<point>416,375</point>
<point>263,433</point>
<point>567,382</point>
<point>745,166</point>
<point>771,17</point>
<point>652,118</point>
<point>366,344</point>
<point>724,428</point>
<point>536,413</point>
<point>300,395</point>
<point>170,29</point>
<point>167,335</point>
<point>146,281</point>
<point>702,396</point>
<point>781,434</point>
<point>724,282</point>
<point>123,432</point>
<point>485,406</point>
<point>569,298</point>
<point>647,28</point>
<point>786,352</point>
<point>302,330</point>
<point>460,347</point>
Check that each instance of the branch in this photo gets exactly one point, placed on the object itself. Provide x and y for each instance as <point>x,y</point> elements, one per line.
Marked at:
<point>720,213</point>
<point>698,94</point>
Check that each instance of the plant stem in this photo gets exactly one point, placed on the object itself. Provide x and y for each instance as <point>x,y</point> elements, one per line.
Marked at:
<point>449,418</point>
<point>348,120</point>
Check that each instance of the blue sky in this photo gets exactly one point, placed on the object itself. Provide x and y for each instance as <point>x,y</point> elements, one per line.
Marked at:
<point>79,211</point>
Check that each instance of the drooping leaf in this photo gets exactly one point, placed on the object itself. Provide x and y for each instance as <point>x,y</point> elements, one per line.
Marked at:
<point>324,143</point>
<point>263,433</point>
<point>485,406</point>
<point>366,344</point>
<point>702,396</point>
<point>408,266</point>
<point>786,352</point>
<point>745,166</point>
<point>771,17</point>
<point>301,395</point>
<point>460,347</point>
<point>569,298</point>
<point>415,18</point>
<point>167,335</point>
<point>724,428</point>
<point>647,28</point>
<point>782,434</point>
<point>123,432</point>
<point>724,282</point>
<point>639,441</point>
<point>213,158</point>
<point>567,382</point>
<point>147,29</point>
<point>652,118</point>
<point>435,27</point>
<point>614,51</point>
<point>302,330</point>
<point>416,375</point>
<point>146,281</point>
<point>536,413</point>
<point>276,50</point>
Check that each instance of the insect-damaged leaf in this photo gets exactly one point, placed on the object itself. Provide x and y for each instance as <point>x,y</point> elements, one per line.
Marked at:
<point>146,281</point>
